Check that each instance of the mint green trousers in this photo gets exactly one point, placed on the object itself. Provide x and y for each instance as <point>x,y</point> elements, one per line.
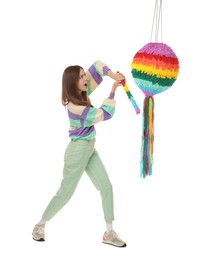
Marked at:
<point>81,156</point>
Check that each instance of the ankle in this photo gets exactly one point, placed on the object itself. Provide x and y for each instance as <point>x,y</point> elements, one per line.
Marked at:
<point>109,226</point>
<point>42,222</point>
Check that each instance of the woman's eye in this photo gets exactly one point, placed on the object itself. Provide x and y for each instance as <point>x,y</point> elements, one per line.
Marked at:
<point>82,76</point>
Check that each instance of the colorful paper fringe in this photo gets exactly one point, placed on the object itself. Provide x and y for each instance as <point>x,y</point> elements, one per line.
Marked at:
<point>147,137</point>
<point>155,68</point>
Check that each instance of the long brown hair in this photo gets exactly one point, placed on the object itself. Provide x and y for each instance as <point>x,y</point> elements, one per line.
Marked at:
<point>70,91</point>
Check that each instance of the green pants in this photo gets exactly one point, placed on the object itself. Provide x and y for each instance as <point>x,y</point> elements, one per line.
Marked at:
<point>81,156</point>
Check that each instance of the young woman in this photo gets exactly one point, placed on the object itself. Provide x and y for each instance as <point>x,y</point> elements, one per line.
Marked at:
<point>80,154</point>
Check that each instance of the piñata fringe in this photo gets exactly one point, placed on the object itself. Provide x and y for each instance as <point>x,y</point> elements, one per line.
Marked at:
<point>147,137</point>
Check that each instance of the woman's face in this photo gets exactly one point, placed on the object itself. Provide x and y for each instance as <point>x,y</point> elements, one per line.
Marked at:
<point>82,83</point>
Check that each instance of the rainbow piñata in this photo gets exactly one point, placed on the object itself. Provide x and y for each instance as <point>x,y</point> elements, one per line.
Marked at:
<point>155,68</point>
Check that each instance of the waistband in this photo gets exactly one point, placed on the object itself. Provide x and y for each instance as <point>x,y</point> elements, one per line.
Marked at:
<point>83,140</point>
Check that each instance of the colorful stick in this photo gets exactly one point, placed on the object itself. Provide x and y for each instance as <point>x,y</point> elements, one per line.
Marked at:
<point>130,97</point>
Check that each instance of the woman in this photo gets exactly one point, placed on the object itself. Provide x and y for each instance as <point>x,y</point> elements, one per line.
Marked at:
<point>80,154</point>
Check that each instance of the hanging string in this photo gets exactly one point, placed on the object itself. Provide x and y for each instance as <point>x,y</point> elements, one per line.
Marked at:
<point>157,22</point>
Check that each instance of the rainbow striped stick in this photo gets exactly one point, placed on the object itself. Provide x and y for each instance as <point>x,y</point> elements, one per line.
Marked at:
<point>130,97</point>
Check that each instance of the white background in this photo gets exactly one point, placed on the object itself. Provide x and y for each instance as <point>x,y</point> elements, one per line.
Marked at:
<point>164,216</point>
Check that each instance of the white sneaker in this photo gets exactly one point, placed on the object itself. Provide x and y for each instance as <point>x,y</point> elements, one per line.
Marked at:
<point>113,239</point>
<point>38,232</point>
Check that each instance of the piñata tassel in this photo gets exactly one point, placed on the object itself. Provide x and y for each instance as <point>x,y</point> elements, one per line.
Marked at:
<point>147,137</point>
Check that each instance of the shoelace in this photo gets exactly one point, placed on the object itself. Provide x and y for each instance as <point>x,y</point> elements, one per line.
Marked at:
<point>115,235</point>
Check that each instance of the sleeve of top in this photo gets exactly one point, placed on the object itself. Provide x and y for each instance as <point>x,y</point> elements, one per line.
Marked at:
<point>105,112</point>
<point>95,75</point>
<point>89,116</point>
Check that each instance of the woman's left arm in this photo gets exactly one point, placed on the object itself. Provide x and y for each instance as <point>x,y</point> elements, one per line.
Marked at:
<point>96,72</point>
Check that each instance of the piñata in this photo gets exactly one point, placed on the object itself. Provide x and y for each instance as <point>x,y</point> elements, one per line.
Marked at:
<point>155,68</point>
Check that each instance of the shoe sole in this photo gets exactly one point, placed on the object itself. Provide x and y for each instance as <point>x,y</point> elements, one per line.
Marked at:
<point>39,240</point>
<point>111,244</point>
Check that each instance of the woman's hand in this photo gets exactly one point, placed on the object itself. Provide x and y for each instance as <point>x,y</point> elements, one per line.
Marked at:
<point>116,84</point>
<point>116,76</point>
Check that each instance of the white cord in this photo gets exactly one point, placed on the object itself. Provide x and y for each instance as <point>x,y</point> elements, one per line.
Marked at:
<point>157,20</point>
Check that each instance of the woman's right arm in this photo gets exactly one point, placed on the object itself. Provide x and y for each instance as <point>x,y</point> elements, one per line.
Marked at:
<point>91,115</point>
<point>107,109</point>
